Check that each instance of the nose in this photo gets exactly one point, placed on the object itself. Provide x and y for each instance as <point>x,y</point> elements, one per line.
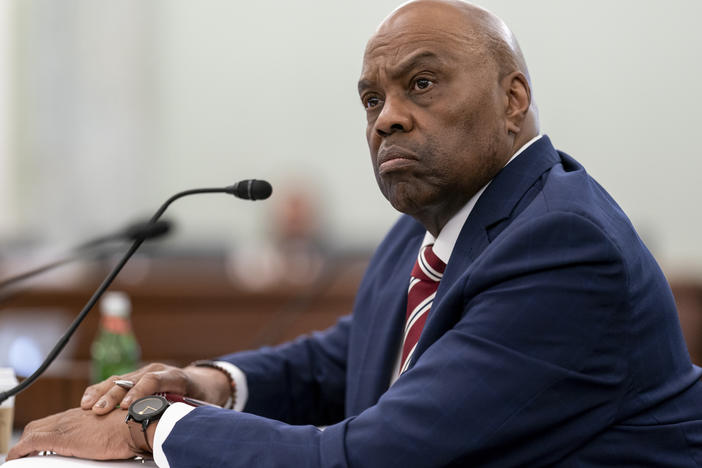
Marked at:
<point>394,117</point>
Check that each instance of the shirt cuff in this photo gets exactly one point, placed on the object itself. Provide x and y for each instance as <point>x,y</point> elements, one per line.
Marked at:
<point>239,378</point>
<point>166,423</point>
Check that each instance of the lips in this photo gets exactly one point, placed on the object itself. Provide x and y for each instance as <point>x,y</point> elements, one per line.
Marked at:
<point>395,159</point>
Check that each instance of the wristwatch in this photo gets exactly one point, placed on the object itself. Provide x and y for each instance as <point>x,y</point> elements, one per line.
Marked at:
<point>141,414</point>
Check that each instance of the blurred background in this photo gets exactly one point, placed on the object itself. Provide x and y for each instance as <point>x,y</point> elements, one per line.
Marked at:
<point>107,108</point>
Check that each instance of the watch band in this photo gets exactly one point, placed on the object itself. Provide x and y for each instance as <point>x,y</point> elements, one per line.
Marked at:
<point>138,433</point>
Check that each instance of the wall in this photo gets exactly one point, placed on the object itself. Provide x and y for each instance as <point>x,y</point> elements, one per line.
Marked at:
<point>172,94</point>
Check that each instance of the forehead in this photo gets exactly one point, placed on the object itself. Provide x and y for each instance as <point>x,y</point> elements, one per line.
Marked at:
<point>394,45</point>
<point>443,37</point>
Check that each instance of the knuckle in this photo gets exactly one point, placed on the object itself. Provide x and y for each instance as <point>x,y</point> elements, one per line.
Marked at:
<point>94,389</point>
<point>29,428</point>
<point>90,389</point>
<point>115,392</point>
<point>182,376</point>
<point>149,383</point>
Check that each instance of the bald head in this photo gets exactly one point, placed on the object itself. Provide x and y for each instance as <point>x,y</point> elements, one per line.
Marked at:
<point>480,29</point>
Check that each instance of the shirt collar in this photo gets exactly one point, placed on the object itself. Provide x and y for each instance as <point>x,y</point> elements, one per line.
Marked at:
<point>445,242</point>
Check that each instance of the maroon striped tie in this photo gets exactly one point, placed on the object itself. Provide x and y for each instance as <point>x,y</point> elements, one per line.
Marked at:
<point>424,281</point>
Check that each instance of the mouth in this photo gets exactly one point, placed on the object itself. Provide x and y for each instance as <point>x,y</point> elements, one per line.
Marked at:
<point>395,159</point>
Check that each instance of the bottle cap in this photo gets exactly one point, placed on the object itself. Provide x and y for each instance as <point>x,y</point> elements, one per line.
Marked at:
<point>115,304</point>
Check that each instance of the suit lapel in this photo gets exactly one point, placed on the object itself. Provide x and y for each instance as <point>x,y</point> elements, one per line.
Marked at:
<point>386,308</point>
<point>498,203</point>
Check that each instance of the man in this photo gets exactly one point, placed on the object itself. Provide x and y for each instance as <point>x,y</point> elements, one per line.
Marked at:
<point>552,339</point>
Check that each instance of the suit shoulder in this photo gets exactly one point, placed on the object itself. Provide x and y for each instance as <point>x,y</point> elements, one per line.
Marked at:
<point>568,188</point>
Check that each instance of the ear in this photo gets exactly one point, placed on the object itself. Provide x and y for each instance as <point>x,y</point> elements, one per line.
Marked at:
<point>517,100</point>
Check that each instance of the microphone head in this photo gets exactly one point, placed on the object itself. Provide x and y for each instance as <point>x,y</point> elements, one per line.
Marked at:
<point>147,230</point>
<point>251,189</point>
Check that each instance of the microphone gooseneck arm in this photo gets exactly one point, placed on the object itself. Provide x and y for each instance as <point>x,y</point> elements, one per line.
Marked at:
<point>143,230</point>
<point>58,347</point>
<point>37,271</point>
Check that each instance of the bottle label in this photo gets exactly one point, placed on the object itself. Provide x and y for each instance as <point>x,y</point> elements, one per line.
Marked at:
<point>117,325</point>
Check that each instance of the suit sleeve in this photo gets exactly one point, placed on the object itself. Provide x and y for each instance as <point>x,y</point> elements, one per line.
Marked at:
<point>532,369</point>
<point>301,382</point>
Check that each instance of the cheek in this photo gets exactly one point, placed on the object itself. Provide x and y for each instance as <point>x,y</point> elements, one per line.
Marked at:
<point>474,126</point>
<point>373,142</point>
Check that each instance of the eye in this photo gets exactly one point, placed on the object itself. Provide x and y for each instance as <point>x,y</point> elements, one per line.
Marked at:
<point>370,102</point>
<point>422,83</point>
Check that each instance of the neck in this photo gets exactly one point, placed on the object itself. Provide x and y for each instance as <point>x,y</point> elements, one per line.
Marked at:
<point>434,218</point>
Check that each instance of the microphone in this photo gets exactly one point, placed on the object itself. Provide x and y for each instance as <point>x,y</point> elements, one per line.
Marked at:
<point>246,189</point>
<point>133,232</point>
<point>251,189</point>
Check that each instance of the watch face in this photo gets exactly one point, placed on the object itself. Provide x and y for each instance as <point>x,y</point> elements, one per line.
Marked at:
<point>145,408</point>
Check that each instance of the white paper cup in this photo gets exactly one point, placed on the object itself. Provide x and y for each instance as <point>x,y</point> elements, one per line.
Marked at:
<point>7,408</point>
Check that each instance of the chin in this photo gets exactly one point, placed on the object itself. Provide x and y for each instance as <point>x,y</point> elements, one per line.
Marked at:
<point>407,205</point>
<point>408,196</point>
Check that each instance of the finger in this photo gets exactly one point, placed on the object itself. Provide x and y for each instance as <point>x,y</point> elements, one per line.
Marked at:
<point>108,401</point>
<point>169,380</point>
<point>26,446</point>
<point>93,393</point>
<point>149,384</point>
<point>103,397</point>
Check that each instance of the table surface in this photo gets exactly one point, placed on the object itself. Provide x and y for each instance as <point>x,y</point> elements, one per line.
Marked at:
<point>56,461</point>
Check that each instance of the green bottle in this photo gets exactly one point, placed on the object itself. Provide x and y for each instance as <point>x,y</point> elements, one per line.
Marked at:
<point>115,350</point>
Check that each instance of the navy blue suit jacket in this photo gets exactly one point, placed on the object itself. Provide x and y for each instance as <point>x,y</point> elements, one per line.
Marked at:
<point>553,341</point>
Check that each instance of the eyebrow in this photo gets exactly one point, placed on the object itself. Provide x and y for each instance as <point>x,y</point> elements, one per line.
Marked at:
<point>412,61</point>
<point>404,67</point>
<point>364,84</point>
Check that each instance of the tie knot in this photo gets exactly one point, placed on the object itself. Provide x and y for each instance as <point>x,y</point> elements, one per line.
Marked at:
<point>429,267</point>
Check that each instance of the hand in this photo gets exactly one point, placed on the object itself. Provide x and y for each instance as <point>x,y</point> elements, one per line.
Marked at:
<point>203,383</point>
<point>77,433</point>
